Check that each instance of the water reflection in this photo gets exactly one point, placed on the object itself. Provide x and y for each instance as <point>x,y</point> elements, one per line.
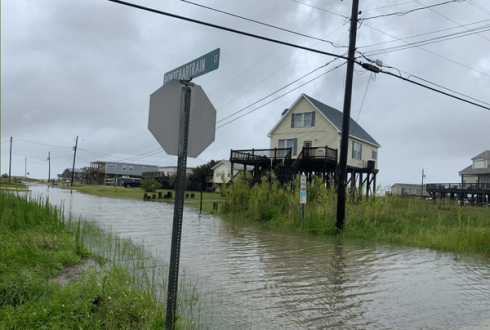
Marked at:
<point>271,280</point>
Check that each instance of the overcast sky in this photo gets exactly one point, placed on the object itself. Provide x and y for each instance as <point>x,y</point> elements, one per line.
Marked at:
<point>87,68</point>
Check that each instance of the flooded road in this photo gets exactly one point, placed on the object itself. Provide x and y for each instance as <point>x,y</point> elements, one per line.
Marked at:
<point>271,280</point>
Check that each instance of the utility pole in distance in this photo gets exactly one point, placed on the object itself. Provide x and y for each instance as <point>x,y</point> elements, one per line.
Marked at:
<point>74,156</point>
<point>344,146</point>
<point>10,161</point>
<point>49,166</point>
<point>422,190</point>
<point>25,168</point>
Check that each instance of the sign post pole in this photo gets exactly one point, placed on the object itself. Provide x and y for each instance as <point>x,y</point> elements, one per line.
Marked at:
<point>173,276</point>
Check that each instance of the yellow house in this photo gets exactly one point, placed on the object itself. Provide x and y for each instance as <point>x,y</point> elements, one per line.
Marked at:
<point>223,168</point>
<point>310,123</point>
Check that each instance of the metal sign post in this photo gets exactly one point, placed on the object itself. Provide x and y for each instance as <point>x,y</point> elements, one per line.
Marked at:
<point>302,198</point>
<point>173,276</point>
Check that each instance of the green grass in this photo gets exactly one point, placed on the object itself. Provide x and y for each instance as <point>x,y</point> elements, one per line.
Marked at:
<point>4,183</point>
<point>136,193</point>
<point>128,292</point>
<point>444,225</point>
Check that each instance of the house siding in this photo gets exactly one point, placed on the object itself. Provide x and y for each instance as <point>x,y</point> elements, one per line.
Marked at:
<point>367,153</point>
<point>137,169</point>
<point>321,135</point>
<point>222,167</point>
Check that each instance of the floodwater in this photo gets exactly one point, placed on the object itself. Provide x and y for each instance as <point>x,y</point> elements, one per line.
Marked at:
<point>271,280</point>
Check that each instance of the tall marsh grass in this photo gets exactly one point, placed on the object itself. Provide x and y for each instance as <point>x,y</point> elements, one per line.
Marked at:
<point>445,225</point>
<point>128,291</point>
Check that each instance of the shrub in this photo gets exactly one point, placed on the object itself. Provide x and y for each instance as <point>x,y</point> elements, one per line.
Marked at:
<point>150,185</point>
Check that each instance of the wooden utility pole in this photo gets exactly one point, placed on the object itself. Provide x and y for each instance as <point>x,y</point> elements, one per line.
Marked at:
<point>49,166</point>
<point>422,188</point>
<point>344,146</point>
<point>74,156</point>
<point>25,168</point>
<point>10,161</point>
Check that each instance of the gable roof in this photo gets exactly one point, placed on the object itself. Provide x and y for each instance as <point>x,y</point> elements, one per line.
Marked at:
<point>409,186</point>
<point>474,171</point>
<point>334,116</point>
<point>483,155</point>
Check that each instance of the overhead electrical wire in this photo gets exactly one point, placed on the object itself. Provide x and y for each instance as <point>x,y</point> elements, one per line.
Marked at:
<point>226,29</point>
<point>328,11</point>
<point>338,66</point>
<point>402,13</point>
<point>225,84</point>
<point>371,77</point>
<point>438,13</point>
<point>233,114</point>
<point>430,41</point>
<point>474,4</point>
<point>44,144</point>
<point>422,34</point>
<point>397,4</point>
<point>265,24</point>
<point>431,52</point>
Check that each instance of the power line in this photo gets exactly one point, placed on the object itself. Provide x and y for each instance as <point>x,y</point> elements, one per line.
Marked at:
<point>226,29</point>
<point>398,4</point>
<point>430,41</point>
<point>227,83</point>
<point>434,89</point>
<point>449,19</point>
<point>402,13</point>
<point>338,66</point>
<point>275,91</point>
<point>265,24</point>
<point>325,10</point>
<point>423,34</point>
<point>371,77</point>
<point>428,51</point>
<point>483,9</point>
<point>44,144</point>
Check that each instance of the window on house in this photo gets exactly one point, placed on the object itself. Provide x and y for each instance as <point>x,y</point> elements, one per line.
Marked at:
<point>124,167</point>
<point>375,155</point>
<point>413,191</point>
<point>144,168</point>
<point>130,168</point>
<point>229,173</point>
<point>217,174</point>
<point>111,165</point>
<point>479,164</point>
<point>306,119</point>
<point>287,143</point>
<point>356,150</point>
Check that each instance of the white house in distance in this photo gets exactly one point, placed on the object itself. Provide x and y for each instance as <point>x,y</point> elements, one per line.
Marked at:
<point>478,171</point>
<point>172,170</point>
<point>310,123</point>
<point>223,168</point>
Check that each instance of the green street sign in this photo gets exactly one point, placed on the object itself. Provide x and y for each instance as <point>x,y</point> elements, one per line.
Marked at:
<point>196,68</point>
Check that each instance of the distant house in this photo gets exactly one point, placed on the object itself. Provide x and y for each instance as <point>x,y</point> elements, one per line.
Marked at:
<point>66,175</point>
<point>478,171</point>
<point>172,170</point>
<point>309,123</point>
<point>406,189</point>
<point>223,168</point>
<point>102,171</point>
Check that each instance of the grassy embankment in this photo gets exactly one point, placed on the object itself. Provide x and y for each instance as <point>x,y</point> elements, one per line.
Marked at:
<point>4,183</point>
<point>444,225</point>
<point>38,241</point>
<point>136,193</point>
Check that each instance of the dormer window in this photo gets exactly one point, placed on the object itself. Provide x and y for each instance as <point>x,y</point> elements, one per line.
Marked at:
<point>306,119</point>
<point>479,164</point>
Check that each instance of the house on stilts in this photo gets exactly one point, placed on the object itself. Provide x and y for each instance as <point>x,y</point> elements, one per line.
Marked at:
<point>306,139</point>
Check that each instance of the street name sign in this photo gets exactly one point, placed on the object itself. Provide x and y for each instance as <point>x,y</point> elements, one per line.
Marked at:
<point>195,68</point>
<point>164,118</point>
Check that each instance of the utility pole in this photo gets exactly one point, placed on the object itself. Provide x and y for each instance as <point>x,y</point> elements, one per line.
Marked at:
<point>25,168</point>
<point>344,146</point>
<point>422,189</point>
<point>74,156</point>
<point>49,166</point>
<point>10,161</point>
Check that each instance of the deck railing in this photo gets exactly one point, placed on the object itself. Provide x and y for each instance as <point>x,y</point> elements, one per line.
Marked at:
<point>260,154</point>
<point>320,153</point>
<point>457,186</point>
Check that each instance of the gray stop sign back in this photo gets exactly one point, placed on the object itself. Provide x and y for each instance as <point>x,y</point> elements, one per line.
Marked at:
<point>164,118</point>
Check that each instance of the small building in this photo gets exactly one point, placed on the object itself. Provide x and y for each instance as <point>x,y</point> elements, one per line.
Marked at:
<point>102,171</point>
<point>407,189</point>
<point>478,171</point>
<point>223,168</point>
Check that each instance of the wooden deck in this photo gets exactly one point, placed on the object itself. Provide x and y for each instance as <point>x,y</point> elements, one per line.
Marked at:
<point>472,193</point>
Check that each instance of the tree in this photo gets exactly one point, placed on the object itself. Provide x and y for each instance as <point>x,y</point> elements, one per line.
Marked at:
<point>150,185</point>
<point>201,175</point>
